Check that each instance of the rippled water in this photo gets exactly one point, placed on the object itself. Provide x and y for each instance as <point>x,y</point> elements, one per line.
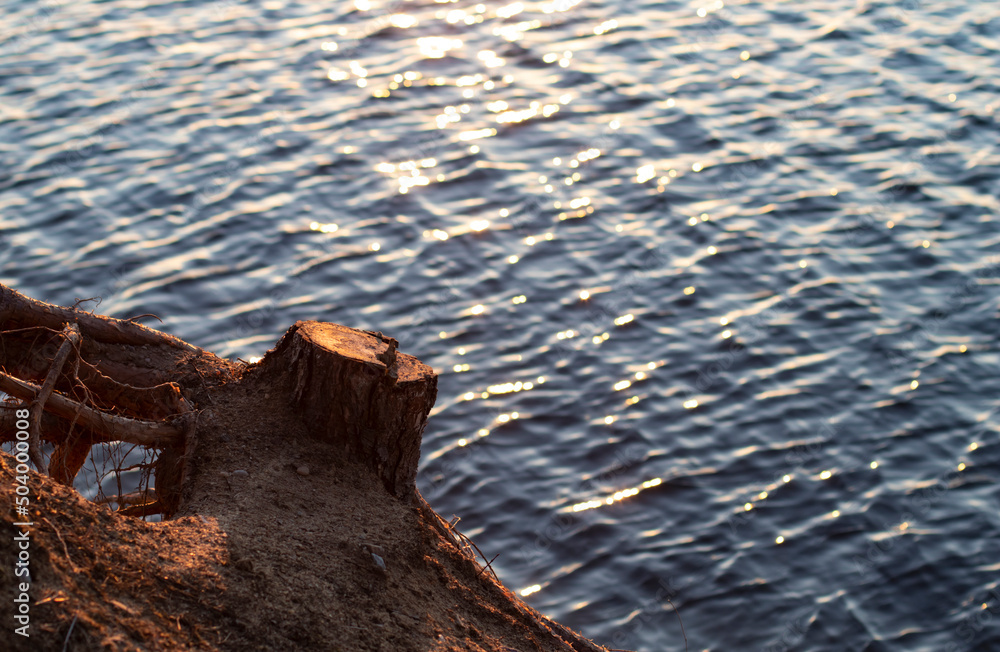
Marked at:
<point>712,289</point>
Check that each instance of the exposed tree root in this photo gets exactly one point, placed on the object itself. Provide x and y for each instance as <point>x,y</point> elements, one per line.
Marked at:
<point>19,311</point>
<point>112,427</point>
<point>72,340</point>
<point>93,383</point>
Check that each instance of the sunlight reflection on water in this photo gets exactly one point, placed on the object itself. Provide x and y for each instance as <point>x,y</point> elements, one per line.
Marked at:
<point>710,286</point>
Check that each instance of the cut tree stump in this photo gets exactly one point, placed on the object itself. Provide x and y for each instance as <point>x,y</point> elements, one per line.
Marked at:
<point>353,389</point>
<point>358,393</point>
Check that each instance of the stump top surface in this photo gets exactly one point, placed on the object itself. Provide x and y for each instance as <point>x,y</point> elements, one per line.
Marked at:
<point>362,346</point>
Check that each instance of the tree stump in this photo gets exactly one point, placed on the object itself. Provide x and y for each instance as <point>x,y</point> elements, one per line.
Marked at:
<point>356,392</point>
<point>99,379</point>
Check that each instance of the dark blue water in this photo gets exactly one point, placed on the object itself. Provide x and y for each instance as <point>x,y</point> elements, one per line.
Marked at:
<point>712,288</point>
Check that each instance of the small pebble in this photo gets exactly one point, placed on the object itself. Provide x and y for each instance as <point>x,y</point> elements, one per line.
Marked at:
<point>378,561</point>
<point>240,473</point>
<point>302,470</point>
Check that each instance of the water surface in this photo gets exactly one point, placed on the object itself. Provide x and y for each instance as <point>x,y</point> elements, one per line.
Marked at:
<point>711,288</point>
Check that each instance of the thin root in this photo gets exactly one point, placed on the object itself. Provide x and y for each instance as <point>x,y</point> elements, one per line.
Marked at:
<point>71,333</point>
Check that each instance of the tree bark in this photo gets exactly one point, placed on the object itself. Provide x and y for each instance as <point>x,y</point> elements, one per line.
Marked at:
<point>112,426</point>
<point>19,311</point>
<point>357,392</point>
